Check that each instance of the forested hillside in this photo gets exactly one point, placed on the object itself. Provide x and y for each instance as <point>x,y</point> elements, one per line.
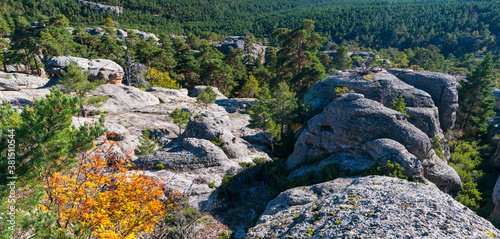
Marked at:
<point>456,27</point>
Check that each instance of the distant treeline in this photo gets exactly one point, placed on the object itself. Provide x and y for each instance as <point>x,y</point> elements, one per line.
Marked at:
<point>455,27</point>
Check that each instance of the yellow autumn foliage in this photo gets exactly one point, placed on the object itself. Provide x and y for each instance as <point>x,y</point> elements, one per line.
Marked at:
<point>160,79</point>
<point>106,199</point>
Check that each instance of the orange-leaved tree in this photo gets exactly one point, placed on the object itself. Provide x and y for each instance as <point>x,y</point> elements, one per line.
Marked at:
<point>101,198</point>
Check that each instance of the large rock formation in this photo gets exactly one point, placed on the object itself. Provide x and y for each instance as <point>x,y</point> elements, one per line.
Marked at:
<point>16,81</point>
<point>369,207</point>
<point>101,7</point>
<point>382,87</point>
<point>169,95</point>
<point>238,43</point>
<point>23,97</point>
<point>22,90</point>
<point>99,69</point>
<point>349,123</point>
<point>216,127</point>
<point>442,87</point>
<point>124,98</point>
<point>496,93</point>
<point>496,200</point>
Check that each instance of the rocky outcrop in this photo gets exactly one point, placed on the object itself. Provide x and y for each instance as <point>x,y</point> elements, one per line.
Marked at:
<point>191,155</point>
<point>17,81</point>
<point>388,150</point>
<point>124,98</point>
<point>200,88</point>
<point>121,34</point>
<point>99,69</point>
<point>101,7</point>
<point>369,207</point>
<point>496,93</point>
<point>382,87</point>
<point>495,214</point>
<point>442,87</point>
<point>145,35</point>
<point>351,122</point>
<point>23,97</point>
<point>8,86</point>
<point>238,43</point>
<point>169,95</point>
<point>22,90</point>
<point>216,127</point>
<point>425,119</point>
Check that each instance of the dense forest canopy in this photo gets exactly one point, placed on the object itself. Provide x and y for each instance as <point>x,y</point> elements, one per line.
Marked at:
<point>454,26</point>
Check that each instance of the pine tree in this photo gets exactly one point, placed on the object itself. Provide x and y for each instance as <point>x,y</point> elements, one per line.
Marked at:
<point>273,130</point>
<point>475,100</point>
<point>74,79</point>
<point>284,104</point>
<point>181,118</point>
<point>251,87</point>
<point>146,144</point>
<point>399,105</point>
<point>207,96</point>
<point>45,143</point>
<point>341,60</point>
<point>299,50</point>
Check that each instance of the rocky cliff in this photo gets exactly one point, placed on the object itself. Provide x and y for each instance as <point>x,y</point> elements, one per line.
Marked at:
<point>356,125</point>
<point>431,97</point>
<point>369,207</point>
<point>99,69</point>
<point>101,7</point>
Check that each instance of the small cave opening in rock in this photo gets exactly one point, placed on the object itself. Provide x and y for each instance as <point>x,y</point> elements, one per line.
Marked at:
<point>327,128</point>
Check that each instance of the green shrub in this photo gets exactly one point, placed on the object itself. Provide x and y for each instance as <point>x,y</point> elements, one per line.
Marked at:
<point>245,165</point>
<point>147,144</point>
<point>399,105</point>
<point>217,141</point>
<point>46,142</point>
<point>208,96</point>
<point>259,160</point>
<point>180,118</point>
<point>160,166</point>
<point>212,185</point>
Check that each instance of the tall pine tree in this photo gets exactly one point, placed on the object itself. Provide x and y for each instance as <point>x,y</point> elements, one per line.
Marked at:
<point>476,101</point>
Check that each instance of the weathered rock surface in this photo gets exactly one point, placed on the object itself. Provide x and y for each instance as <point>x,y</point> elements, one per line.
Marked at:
<point>443,89</point>
<point>8,86</point>
<point>425,119</point>
<point>99,69</point>
<point>385,150</point>
<point>496,93</point>
<point>16,81</point>
<point>101,7</point>
<point>216,127</point>
<point>23,97</point>
<point>496,200</point>
<point>169,95</point>
<point>382,87</point>
<point>350,122</point>
<point>238,42</point>
<point>145,35</point>
<point>369,207</point>
<point>124,98</point>
<point>190,155</point>
<point>200,88</point>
